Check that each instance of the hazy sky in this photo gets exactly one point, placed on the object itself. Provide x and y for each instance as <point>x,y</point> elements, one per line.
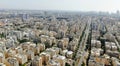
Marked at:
<point>72,5</point>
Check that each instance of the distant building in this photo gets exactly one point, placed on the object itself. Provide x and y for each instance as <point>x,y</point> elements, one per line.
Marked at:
<point>118,12</point>
<point>53,63</point>
<point>37,61</point>
<point>2,58</point>
<point>22,58</point>
<point>1,64</point>
<point>24,17</point>
<point>13,61</point>
<point>60,59</point>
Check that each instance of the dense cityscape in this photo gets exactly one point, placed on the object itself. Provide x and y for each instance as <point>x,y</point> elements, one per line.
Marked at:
<point>57,38</point>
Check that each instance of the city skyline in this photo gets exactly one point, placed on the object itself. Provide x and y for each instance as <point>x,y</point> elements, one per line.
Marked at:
<point>65,5</point>
<point>59,38</point>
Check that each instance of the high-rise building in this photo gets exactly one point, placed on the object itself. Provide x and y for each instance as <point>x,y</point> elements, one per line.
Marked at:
<point>13,61</point>
<point>37,61</point>
<point>24,17</point>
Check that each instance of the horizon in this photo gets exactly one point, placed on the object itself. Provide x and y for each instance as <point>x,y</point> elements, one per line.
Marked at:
<point>111,6</point>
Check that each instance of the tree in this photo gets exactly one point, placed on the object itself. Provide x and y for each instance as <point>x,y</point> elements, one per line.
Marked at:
<point>23,40</point>
<point>66,64</point>
<point>47,45</point>
<point>2,35</point>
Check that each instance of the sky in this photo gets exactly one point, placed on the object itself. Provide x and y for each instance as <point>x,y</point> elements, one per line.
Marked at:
<point>68,5</point>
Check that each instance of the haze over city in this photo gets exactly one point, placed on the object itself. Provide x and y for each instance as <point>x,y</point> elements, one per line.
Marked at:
<point>67,5</point>
<point>59,33</point>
